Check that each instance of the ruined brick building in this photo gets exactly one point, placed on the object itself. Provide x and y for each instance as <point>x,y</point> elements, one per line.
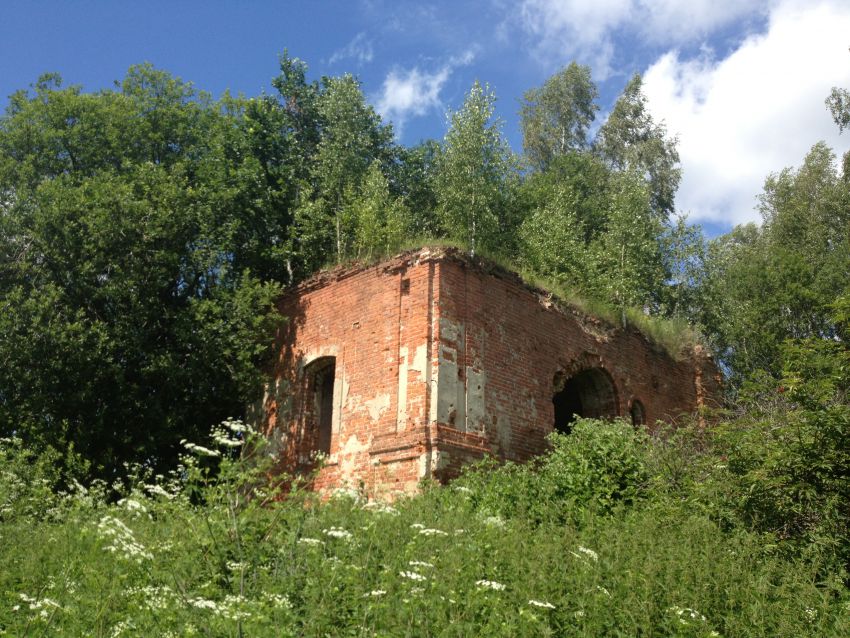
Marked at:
<point>410,368</point>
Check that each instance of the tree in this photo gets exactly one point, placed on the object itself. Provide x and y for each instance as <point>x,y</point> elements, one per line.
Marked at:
<point>765,285</point>
<point>630,140</point>
<point>838,103</point>
<point>628,256</point>
<point>555,117</point>
<point>552,242</point>
<point>351,138</point>
<point>128,315</point>
<point>474,173</point>
<point>380,221</point>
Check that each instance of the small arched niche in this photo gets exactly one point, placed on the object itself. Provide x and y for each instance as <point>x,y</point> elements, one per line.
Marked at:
<point>587,394</point>
<point>637,413</point>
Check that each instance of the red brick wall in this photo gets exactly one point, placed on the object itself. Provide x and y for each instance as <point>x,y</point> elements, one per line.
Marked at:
<point>439,360</point>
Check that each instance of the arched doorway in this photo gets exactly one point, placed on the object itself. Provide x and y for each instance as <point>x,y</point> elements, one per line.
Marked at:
<point>589,394</point>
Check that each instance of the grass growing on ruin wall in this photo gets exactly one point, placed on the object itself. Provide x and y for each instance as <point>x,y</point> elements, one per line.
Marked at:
<point>675,335</point>
<point>591,541</point>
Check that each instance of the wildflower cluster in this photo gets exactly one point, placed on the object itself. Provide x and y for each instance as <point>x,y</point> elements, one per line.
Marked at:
<point>121,540</point>
<point>231,433</point>
<point>338,532</point>
<point>45,607</point>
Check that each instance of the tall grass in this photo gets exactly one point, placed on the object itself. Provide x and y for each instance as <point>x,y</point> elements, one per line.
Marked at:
<point>223,554</point>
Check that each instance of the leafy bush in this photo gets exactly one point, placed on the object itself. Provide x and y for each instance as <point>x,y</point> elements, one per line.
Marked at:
<point>599,466</point>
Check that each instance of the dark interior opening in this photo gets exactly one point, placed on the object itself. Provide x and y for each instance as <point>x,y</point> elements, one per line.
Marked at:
<point>323,373</point>
<point>637,412</point>
<point>588,394</point>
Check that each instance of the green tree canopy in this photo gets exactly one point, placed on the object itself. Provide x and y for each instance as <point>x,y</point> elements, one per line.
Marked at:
<point>555,117</point>
<point>631,140</point>
<point>130,316</point>
<point>474,174</point>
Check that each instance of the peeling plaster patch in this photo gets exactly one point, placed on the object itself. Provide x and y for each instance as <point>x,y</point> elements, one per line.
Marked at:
<point>378,406</point>
<point>347,457</point>
<point>424,465</point>
<point>438,461</point>
<point>401,403</point>
<point>340,400</point>
<point>449,409</point>
<point>476,407</point>
<point>450,330</point>
<point>420,361</point>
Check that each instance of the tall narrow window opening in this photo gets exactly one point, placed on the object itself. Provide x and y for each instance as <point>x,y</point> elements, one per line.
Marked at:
<point>321,374</point>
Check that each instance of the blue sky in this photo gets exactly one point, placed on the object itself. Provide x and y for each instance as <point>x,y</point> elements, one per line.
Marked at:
<point>741,82</point>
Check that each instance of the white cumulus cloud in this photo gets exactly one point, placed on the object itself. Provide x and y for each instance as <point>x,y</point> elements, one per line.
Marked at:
<point>408,93</point>
<point>562,30</point>
<point>754,112</point>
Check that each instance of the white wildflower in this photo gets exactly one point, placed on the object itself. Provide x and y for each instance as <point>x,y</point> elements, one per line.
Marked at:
<point>199,449</point>
<point>237,426</point>
<point>417,526</point>
<point>412,575</point>
<point>494,521</point>
<point>278,600</point>
<point>121,627</point>
<point>310,541</point>
<point>220,438</point>
<point>382,508</point>
<point>432,532</point>
<point>158,490</point>
<point>579,614</point>
<point>375,593</point>
<point>338,532</point>
<point>811,614</point>
<point>462,489</point>
<point>348,493</point>
<point>490,584</point>
<point>121,540</point>
<point>44,606</point>
<point>155,597</point>
<point>589,553</point>
<point>687,614</point>
<point>419,563</point>
<point>203,603</point>
<point>458,532</point>
<point>235,566</point>
<point>132,505</point>
<point>601,589</point>
<point>541,603</point>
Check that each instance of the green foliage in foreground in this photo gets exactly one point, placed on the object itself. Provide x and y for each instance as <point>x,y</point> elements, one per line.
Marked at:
<point>617,542</point>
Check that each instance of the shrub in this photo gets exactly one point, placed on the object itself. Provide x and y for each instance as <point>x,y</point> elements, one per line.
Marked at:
<point>599,466</point>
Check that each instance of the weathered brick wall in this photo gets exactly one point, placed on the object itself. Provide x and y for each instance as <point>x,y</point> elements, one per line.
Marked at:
<point>441,359</point>
<point>510,341</point>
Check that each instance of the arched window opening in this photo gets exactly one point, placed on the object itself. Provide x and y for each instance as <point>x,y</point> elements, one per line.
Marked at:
<point>320,380</point>
<point>638,414</point>
<point>588,394</point>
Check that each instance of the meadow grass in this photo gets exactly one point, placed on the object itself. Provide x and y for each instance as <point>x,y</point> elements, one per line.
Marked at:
<point>201,554</point>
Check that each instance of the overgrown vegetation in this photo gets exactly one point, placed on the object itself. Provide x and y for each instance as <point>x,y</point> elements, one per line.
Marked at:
<point>145,232</point>
<point>611,533</point>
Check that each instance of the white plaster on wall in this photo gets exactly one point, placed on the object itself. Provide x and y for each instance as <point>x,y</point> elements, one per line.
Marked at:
<point>401,403</point>
<point>378,406</point>
<point>347,457</point>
